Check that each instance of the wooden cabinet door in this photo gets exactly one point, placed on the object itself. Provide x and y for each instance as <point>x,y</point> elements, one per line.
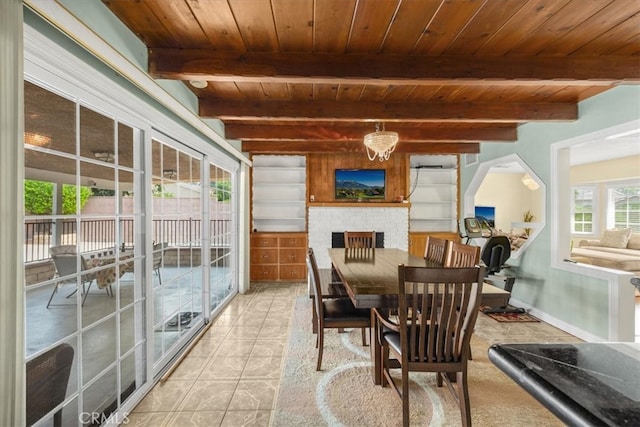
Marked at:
<point>264,256</point>
<point>262,272</point>
<point>258,241</point>
<point>292,256</point>
<point>293,272</point>
<point>293,242</point>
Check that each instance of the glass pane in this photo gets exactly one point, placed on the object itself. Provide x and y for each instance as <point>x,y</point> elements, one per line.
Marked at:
<point>97,136</point>
<point>98,349</point>
<point>50,121</point>
<point>125,145</point>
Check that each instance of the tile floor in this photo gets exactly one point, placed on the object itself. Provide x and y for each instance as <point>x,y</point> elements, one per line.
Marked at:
<point>231,376</point>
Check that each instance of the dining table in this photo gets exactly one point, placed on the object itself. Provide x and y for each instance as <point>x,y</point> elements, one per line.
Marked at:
<point>371,281</point>
<point>105,277</point>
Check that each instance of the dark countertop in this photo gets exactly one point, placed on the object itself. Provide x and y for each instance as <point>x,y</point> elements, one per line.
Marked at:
<point>581,383</point>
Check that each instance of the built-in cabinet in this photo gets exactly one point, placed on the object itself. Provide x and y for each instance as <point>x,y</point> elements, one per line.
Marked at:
<point>278,214</point>
<point>433,186</point>
<point>278,256</point>
<point>279,189</point>
<point>282,184</point>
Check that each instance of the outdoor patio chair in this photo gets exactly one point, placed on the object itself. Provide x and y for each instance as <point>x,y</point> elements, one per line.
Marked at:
<point>158,255</point>
<point>65,259</point>
<point>47,379</point>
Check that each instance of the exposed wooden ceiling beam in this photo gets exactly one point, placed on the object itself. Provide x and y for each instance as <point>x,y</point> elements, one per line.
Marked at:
<point>212,65</point>
<point>263,132</point>
<point>375,111</point>
<point>291,147</point>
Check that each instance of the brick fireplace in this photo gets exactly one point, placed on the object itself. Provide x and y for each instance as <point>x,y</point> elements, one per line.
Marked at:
<point>324,220</point>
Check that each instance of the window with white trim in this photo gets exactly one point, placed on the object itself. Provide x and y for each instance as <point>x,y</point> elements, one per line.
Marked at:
<point>582,210</point>
<point>623,207</point>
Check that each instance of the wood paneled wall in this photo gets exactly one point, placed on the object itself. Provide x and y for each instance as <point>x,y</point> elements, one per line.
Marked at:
<point>321,173</point>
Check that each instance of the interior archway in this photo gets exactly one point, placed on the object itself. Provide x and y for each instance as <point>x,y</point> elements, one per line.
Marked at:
<point>522,192</point>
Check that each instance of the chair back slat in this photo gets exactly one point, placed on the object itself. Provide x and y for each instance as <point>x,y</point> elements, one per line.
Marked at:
<point>359,244</point>
<point>437,309</point>
<point>436,249</point>
<point>461,255</point>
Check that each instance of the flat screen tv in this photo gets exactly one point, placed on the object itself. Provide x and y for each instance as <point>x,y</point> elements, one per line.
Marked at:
<point>360,184</point>
<point>488,213</point>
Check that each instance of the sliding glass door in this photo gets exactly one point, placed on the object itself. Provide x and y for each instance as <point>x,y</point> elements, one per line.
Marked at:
<point>177,238</point>
<point>84,293</point>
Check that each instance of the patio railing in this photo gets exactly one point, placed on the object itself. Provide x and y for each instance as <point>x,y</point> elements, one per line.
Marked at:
<point>96,235</point>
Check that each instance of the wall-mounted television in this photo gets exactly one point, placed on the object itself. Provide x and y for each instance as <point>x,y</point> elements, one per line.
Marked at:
<point>359,184</point>
<point>488,213</point>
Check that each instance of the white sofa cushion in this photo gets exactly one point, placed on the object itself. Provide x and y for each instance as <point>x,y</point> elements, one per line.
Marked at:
<point>615,238</point>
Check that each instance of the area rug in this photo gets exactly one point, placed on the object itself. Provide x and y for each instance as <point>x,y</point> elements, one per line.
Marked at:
<point>343,394</point>
<point>511,317</point>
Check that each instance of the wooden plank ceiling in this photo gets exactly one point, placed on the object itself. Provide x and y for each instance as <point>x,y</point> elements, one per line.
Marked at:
<point>316,75</point>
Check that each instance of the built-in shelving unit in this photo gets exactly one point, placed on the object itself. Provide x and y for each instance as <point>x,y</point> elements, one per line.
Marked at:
<point>279,193</point>
<point>434,193</point>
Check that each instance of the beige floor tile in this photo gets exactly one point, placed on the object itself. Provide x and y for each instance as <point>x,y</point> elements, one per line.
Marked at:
<point>209,396</point>
<point>189,368</point>
<point>165,396</point>
<point>246,419</point>
<point>244,332</point>
<point>254,394</point>
<point>262,368</point>
<point>147,419</point>
<point>206,347</point>
<point>224,368</point>
<point>196,419</point>
<point>229,347</point>
<point>269,348</point>
<point>274,332</point>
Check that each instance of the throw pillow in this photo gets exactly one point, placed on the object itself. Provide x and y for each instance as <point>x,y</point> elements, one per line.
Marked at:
<point>634,241</point>
<point>616,238</point>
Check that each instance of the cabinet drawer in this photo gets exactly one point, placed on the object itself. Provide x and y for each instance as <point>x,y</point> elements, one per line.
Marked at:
<point>293,272</point>
<point>292,256</point>
<point>293,242</point>
<point>264,256</point>
<point>264,242</point>
<point>264,272</point>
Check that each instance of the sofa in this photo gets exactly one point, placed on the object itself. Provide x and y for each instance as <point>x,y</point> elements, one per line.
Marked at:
<point>617,249</point>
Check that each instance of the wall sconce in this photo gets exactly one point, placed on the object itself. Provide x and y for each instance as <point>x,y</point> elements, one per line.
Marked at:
<point>105,156</point>
<point>37,139</point>
<point>169,173</point>
<point>529,182</point>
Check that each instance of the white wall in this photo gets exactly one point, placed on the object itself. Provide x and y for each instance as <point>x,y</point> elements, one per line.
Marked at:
<point>510,197</point>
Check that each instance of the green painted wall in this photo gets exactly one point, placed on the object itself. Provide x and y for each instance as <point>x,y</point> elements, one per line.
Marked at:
<point>572,298</point>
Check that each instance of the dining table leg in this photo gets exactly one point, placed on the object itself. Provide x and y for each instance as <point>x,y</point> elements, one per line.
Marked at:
<point>376,351</point>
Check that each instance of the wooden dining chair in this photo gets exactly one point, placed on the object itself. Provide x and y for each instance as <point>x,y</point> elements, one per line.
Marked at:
<point>436,313</point>
<point>461,255</point>
<point>335,313</point>
<point>359,244</point>
<point>436,249</point>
